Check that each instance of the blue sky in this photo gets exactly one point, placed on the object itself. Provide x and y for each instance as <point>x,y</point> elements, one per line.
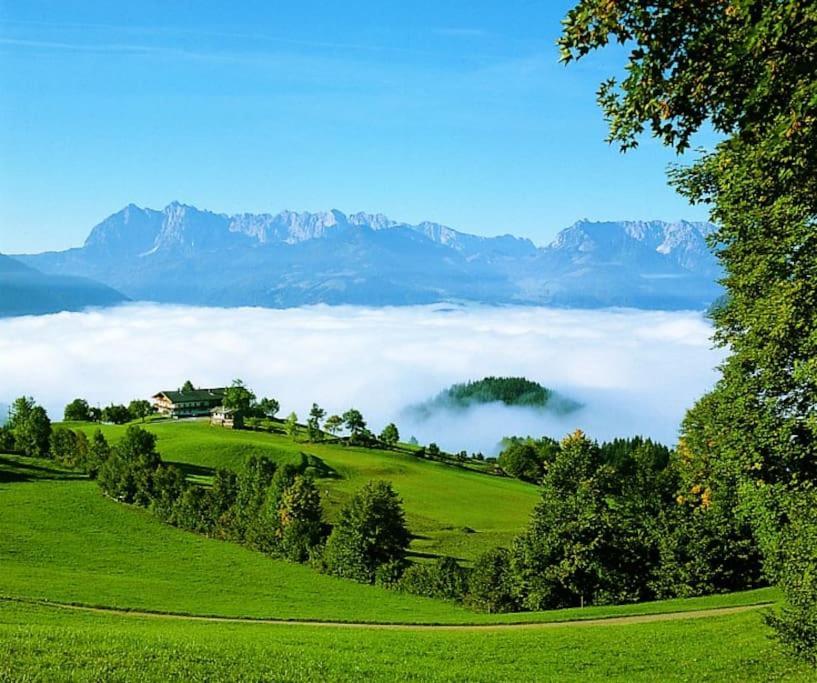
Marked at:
<point>456,112</point>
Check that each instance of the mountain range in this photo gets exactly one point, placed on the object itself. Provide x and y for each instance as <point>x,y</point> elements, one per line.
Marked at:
<point>27,291</point>
<point>182,254</point>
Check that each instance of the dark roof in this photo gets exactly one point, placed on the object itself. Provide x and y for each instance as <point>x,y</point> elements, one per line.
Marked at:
<point>179,396</point>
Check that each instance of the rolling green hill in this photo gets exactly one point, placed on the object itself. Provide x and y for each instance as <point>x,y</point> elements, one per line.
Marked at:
<point>452,510</point>
<point>62,542</point>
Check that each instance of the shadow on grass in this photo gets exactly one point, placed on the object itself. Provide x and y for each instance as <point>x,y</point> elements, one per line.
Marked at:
<point>416,554</point>
<point>20,469</point>
<point>191,470</point>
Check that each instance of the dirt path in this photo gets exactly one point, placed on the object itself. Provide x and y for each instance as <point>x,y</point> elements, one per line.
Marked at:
<point>604,621</point>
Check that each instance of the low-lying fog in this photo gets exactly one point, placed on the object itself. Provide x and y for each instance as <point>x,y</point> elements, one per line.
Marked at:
<point>634,371</point>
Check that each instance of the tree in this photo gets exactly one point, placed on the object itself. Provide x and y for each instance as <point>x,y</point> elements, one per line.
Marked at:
<point>117,414</point>
<point>300,519</point>
<point>390,435</point>
<point>253,483</point>
<point>77,411</point>
<point>333,424</point>
<point>20,411</point>
<point>167,487</point>
<point>98,452</point>
<point>353,419</point>
<point>63,445</point>
<point>433,451</point>
<point>188,386</point>
<point>291,425</point>
<point>140,409</point>
<point>520,459</point>
<point>6,439</point>
<point>370,532</point>
<point>268,407</point>
<point>222,496</point>
<point>490,584</point>
<point>127,474</point>
<point>239,398</point>
<point>30,426</point>
<point>748,69</point>
<point>313,424</point>
<point>527,459</point>
<point>556,561</point>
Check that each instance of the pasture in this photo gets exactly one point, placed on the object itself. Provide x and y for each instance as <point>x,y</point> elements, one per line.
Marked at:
<point>452,510</point>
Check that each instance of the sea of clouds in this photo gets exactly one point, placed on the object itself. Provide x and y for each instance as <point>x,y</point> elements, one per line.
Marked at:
<point>635,372</point>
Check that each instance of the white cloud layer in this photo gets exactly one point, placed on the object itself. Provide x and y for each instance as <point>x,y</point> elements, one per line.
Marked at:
<point>634,371</point>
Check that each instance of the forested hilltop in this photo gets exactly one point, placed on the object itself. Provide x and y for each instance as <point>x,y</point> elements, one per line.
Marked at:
<point>510,391</point>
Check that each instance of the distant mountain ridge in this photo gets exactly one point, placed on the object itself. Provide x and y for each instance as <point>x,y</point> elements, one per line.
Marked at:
<point>186,255</point>
<point>26,291</point>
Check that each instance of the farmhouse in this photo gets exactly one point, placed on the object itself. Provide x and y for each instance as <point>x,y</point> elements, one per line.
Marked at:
<point>226,417</point>
<point>188,403</point>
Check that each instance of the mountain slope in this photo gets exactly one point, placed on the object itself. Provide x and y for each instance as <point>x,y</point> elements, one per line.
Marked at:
<point>26,291</point>
<point>186,255</point>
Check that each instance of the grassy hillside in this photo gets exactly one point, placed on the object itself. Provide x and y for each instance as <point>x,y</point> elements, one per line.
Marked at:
<point>454,511</point>
<point>62,541</point>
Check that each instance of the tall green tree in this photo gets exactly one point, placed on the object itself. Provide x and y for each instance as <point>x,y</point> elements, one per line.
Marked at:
<point>253,483</point>
<point>140,409</point>
<point>390,435</point>
<point>747,68</point>
<point>370,532</point>
<point>333,424</point>
<point>300,519</point>
<point>291,425</point>
<point>313,423</point>
<point>30,427</point>
<point>77,411</point>
<point>353,419</point>
<point>98,452</point>
<point>268,407</point>
<point>239,398</point>
<point>116,413</point>
<point>127,473</point>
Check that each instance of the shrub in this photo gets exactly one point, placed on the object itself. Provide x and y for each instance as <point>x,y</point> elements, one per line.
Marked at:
<point>490,584</point>
<point>443,579</point>
<point>389,574</point>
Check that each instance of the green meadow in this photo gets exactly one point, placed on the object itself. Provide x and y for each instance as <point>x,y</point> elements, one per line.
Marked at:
<point>46,643</point>
<point>63,542</point>
<point>452,510</point>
